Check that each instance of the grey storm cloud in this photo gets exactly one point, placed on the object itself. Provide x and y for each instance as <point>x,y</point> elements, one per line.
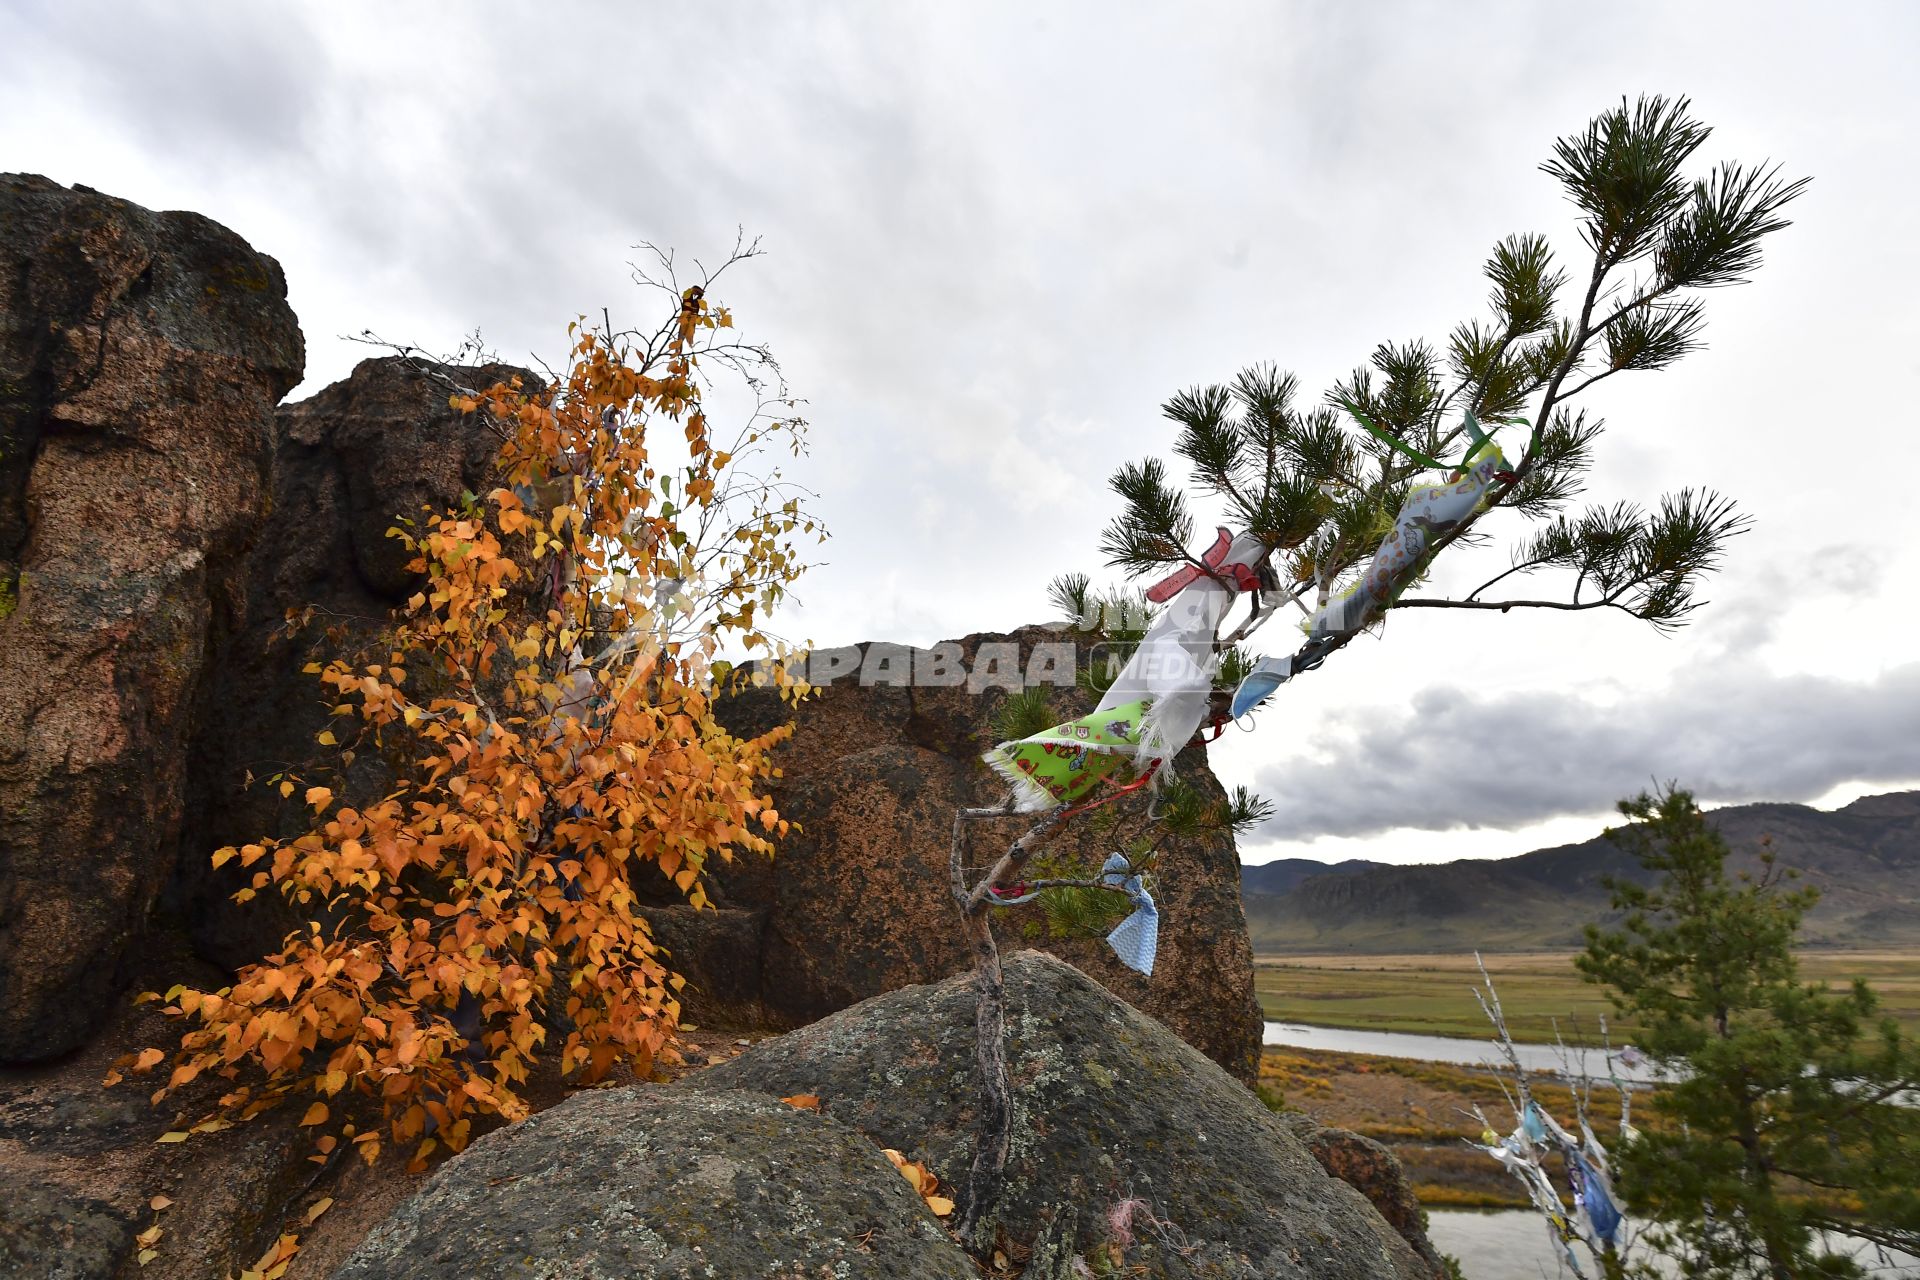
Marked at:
<point>1453,759</point>
<point>1000,235</point>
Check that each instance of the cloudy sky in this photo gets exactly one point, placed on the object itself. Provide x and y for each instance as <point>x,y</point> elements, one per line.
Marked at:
<point>1001,235</point>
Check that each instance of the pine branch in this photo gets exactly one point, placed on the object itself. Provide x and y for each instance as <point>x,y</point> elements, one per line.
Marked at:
<point>1568,606</point>
<point>1208,439</point>
<point>1524,285</point>
<point>1623,172</point>
<point>1716,241</point>
<point>1650,336</point>
<point>1155,527</point>
<point>1564,454</point>
<point>1071,593</point>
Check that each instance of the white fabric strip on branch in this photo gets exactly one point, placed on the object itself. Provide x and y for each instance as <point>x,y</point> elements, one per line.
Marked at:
<point>1173,668</point>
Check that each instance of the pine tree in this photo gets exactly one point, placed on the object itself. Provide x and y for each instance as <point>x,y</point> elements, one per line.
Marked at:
<point>1323,488</point>
<point>1787,1108</point>
<point>1320,485</point>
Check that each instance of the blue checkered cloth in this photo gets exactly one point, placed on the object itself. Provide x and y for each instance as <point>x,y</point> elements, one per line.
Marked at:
<point>1136,938</point>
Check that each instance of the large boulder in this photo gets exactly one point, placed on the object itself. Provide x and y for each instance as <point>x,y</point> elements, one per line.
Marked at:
<point>651,1182</point>
<point>1123,1134</point>
<point>353,461</point>
<point>79,1164</point>
<point>50,1234</point>
<point>141,355</point>
<point>1372,1169</point>
<point>857,900</point>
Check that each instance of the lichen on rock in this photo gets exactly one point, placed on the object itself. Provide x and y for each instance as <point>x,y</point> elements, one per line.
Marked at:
<point>667,1183</point>
<point>1109,1106</point>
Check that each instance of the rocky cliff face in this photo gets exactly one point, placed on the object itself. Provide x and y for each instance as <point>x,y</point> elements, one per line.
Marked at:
<point>858,901</point>
<point>348,464</point>
<point>141,355</point>
<point>158,519</point>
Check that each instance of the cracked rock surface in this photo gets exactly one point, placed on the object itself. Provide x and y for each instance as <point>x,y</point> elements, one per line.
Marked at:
<point>1109,1105</point>
<point>664,1182</point>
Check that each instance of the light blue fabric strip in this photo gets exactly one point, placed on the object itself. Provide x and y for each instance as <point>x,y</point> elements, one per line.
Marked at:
<point>1269,674</point>
<point>1136,939</point>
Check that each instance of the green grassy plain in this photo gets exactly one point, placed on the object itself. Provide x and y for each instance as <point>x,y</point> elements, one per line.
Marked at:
<point>1431,994</point>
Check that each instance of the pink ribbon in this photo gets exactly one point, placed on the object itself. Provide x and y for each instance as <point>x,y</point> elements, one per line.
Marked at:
<point>1238,576</point>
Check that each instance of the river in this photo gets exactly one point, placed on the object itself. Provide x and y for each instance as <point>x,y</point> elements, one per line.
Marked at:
<point>1500,1244</point>
<point>1455,1049</point>
<point>1513,1244</point>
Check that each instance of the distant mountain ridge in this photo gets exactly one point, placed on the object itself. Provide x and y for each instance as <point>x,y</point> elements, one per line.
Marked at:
<point>1282,874</point>
<point>1864,858</point>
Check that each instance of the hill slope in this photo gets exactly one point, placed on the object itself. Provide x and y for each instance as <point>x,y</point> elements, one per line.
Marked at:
<point>1282,874</point>
<point>1864,859</point>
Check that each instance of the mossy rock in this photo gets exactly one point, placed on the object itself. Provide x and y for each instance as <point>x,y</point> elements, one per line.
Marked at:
<point>1108,1106</point>
<point>650,1182</point>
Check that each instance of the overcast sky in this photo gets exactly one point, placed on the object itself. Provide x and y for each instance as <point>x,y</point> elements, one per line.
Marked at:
<point>1001,235</point>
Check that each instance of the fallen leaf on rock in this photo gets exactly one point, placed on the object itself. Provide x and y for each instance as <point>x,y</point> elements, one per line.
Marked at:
<point>274,1262</point>
<point>320,1206</point>
<point>178,1135</point>
<point>922,1180</point>
<point>149,1238</point>
<point>803,1101</point>
<point>158,1203</point>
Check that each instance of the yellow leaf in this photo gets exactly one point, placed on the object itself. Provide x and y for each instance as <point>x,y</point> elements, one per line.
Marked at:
<point>273,1262</point>
<point>319,798</point>
<point>150,1237</point>
<point>178,1135</point>
<point>148,1059</point>
<point>147,1255</point>
<point>940,1205</point>
<point>158,1203</point>
<point>326,739</point>
<point>803,1101</point>
<point>320,1206</point>
<point>286,789</point>
<point>316,1114</point>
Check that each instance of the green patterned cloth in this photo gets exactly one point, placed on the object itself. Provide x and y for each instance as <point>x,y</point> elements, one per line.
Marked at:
<point>1064,764</point>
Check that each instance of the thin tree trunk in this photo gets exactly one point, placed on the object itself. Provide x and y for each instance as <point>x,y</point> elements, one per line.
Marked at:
<point>994,1124</point>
